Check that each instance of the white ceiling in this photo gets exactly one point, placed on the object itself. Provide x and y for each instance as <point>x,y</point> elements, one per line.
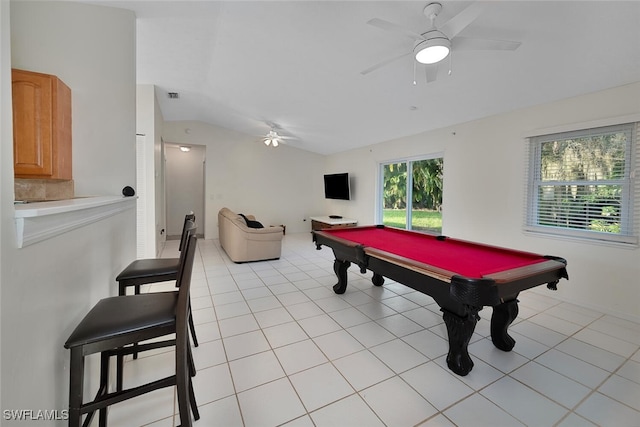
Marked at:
<point>242,64</point>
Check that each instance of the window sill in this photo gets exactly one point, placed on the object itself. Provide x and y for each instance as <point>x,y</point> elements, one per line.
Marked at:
<point>39,221</point>
<point>583,240</point>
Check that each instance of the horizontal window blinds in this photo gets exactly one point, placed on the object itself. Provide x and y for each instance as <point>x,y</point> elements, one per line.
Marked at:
<point>583,184</point>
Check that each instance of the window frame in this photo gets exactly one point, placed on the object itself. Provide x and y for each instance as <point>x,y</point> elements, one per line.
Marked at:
<point>630,199</point>
<point>379,199</point>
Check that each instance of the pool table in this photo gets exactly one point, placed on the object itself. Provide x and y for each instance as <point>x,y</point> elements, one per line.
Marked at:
<point>461,276</point>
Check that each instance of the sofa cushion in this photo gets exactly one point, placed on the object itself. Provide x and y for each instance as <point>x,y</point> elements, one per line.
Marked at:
<point>251,223</point>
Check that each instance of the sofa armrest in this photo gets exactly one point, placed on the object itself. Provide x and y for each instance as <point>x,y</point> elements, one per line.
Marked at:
<point>267,234</point>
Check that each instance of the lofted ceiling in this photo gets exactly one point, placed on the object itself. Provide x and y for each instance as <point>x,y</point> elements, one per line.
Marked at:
<point>296,65</point>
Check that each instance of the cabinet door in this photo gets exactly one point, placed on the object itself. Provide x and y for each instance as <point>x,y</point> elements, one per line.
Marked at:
<point>32,124</point>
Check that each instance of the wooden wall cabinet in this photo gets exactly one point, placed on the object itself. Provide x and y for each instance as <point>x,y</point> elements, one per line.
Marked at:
<point>41,126</point>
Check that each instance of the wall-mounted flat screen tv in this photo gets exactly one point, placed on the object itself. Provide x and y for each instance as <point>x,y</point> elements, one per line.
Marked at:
<point>336,186</point>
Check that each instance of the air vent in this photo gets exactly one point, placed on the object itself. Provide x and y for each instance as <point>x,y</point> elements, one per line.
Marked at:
<point>173,95</point>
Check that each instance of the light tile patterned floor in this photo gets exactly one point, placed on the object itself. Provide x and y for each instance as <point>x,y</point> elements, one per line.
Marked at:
<point>278,347</point>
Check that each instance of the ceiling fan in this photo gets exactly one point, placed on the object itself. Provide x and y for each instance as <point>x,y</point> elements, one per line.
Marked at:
<point>273,138</point>
<point>435,44</point>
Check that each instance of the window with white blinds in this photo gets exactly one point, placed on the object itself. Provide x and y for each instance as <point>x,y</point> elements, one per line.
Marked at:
<point>582,184</point>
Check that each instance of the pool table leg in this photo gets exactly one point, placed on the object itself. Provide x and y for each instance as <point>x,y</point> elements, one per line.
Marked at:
<point>503,315</point>
<point>460,329</point>
<point>340,268</point>
<point>377,279</point>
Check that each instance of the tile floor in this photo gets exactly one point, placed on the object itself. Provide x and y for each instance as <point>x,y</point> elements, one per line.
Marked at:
<point>278,347</point>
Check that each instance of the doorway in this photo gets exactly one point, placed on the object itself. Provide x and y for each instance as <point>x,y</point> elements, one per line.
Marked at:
<point>185,185</point>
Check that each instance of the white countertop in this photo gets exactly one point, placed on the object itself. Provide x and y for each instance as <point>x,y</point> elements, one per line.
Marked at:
<point>38,221</point>
<point>32,209</point>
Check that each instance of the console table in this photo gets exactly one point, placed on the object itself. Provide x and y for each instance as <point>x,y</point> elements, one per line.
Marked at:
<point>323,222</point>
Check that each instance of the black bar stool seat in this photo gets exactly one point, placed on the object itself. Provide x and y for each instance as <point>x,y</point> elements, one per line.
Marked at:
<point>124,318</point>
<point>145,271</point>
<point>151,270</point>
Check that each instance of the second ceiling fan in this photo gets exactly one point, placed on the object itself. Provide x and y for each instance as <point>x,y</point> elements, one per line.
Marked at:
<point>435,44</point>
<point>273,138</point>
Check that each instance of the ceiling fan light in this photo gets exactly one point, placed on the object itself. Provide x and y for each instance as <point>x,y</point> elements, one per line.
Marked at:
<point>432,50</point>
<point>267,142</point>
<point>275,142</point>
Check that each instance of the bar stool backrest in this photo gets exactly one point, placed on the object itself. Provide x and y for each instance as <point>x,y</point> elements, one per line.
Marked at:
<point>189,231</point>
<point>183,237</point>
<point>184,279</point>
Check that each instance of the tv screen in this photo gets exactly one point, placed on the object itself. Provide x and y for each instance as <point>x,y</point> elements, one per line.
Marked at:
<point>336,186</point>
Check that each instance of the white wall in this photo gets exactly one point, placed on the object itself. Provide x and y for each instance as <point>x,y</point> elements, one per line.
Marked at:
<point>149,123</point>
<point>280,185</point>
<point>483,191</point>
<point>49,286</point>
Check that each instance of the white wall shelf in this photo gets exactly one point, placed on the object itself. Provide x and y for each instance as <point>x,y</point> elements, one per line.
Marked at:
<point>39,221</point>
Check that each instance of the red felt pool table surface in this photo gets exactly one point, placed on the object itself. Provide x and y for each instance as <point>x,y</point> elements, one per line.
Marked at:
<point>465,258</point>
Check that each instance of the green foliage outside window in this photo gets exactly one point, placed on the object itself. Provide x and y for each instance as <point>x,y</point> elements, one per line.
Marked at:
<point>580,182</point>
<point>427,185</point>
<point>426,194</point>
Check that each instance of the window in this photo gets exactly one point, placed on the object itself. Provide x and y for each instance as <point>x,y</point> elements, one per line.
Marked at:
<point>423,187</point>
<point>581,184</point>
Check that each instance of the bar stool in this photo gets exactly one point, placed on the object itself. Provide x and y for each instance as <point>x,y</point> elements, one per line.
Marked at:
<point>115,323</point>
<point>143,271</point>
<point>154,270</point>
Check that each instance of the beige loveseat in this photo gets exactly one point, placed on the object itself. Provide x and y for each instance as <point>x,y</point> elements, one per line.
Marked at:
<point>243,243</point>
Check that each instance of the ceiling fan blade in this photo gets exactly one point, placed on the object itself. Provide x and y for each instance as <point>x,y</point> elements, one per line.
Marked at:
<point>431,72</point>
<point>383,63</point>
<point>459,22</point>
<point>469,43</point>
<point>394,28</point>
